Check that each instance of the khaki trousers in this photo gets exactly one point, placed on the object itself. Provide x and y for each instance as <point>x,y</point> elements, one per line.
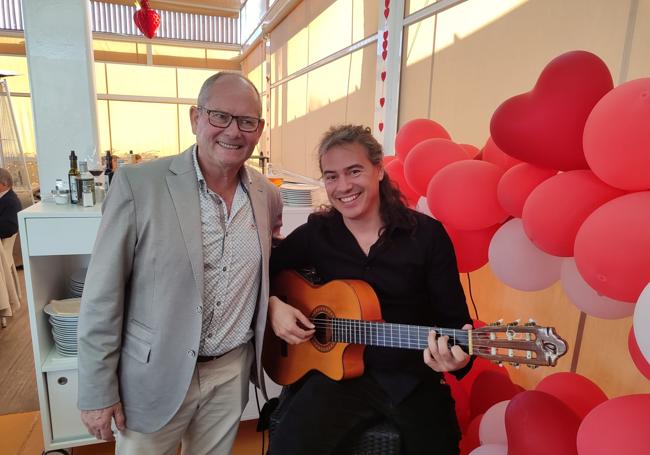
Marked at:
<point>207,421</point>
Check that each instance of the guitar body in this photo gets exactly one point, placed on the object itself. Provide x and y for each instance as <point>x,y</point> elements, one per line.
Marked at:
<point>349,299</point>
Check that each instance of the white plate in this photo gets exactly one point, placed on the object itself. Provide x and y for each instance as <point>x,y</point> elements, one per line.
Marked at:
<point>66,307</point>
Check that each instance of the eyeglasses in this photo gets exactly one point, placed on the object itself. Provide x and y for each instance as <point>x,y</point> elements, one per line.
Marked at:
<point>224,119</point>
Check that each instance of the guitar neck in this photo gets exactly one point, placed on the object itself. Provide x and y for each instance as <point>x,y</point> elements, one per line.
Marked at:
<point>387,334</point>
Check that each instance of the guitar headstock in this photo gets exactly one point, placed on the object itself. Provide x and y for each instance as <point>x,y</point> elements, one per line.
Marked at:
<point>516,344</point>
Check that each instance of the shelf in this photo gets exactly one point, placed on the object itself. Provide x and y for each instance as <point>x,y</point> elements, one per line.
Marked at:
<point>56,362</point>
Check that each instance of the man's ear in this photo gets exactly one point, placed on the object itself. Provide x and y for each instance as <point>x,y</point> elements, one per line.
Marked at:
<point>194,118</point>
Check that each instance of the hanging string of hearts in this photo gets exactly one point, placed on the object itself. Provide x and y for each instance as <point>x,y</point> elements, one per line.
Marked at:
<point>146,19</point>
<point>384,55</point>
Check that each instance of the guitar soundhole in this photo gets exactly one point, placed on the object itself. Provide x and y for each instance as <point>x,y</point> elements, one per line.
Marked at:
<point>322,339</point>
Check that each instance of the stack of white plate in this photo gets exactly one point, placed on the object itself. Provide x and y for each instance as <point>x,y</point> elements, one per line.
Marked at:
<point>64,318</point>
<point>77,280</point>
<point>297,194</point>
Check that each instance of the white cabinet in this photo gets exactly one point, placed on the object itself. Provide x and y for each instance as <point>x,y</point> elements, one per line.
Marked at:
<point>56,240</point>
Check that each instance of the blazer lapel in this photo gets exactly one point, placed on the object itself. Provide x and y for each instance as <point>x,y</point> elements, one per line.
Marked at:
<point>183,187</point>
<point>257,194</point>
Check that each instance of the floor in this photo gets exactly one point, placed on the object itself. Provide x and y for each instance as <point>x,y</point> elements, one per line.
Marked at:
<point>20,423</point>
<point>20,434</point>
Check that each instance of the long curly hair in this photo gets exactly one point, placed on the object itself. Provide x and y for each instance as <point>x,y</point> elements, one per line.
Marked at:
<point>392,204</point>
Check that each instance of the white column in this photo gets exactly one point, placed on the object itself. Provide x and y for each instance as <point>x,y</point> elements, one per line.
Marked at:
<point>389,65</point>
<point>62,78</point>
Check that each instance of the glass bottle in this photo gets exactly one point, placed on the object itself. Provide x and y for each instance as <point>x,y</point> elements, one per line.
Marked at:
<point>73,177</point>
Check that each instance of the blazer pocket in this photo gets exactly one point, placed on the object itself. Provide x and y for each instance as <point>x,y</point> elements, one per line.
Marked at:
<point>136,348</point>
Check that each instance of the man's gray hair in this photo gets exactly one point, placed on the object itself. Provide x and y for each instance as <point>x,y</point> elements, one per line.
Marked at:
<point>5,177</point>
<point>204,93</point>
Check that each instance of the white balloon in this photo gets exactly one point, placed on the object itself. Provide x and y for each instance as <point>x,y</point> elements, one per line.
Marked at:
<point>490,449</point>
<point>423,207</point>
<point>492,429</point>
<point>587,299</point>
<point>520,264</point>
<point>641,322</point>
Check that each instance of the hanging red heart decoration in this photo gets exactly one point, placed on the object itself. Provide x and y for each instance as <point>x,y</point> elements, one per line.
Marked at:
<point>383,76</point>
<point>384,55</point>
<point>146,19</point>
<point>386,12</point>
<point>385,44</point>
<point>382,101</point>
<point>381,126</point>
<point>386,3</point>
<point>386,35</point>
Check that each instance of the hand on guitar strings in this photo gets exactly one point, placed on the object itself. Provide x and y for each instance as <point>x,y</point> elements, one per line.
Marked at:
<point>289,323</point>
<point>440,358</point>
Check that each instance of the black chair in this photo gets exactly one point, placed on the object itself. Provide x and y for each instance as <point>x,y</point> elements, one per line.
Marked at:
<point>380,439</point>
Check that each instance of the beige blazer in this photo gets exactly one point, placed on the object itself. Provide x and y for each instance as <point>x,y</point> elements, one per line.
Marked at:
<point>140,323</point>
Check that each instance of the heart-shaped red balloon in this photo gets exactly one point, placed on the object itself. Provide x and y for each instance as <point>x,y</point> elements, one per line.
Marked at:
<point>147,20</point>
<point>383,76</point>
<point>544,126</point>
<point>382,100</point>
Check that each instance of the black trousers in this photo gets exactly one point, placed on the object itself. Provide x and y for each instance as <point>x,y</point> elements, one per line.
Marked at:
<point>323,413</point>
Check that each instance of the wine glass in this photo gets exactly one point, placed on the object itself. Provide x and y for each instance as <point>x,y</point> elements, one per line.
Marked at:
<point>94,163</point>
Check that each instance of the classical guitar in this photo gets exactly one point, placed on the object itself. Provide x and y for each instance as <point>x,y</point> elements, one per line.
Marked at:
<point>347,317</point>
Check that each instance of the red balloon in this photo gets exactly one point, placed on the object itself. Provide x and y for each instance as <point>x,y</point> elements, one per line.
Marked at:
<point>480,365</point>
<point>461,400</point>
<point>539,424</point>
<point>395,171</point>
<point>493,154</point>
<point>612,245</point>
<point>544,126</point>
<point>516,185</point>
<point>555,209</point>
<point>471,439</point>
<point>618,426</point>
<point>471,247</point>
<point>489,388</point>
<point>472,150</point>
<point>577,392</point>
<point>463,195</point>
<point>415,131</point>
<point>617,136</point>
<point>427,158</point>
<point>388,158</point>
<point>637,356</point>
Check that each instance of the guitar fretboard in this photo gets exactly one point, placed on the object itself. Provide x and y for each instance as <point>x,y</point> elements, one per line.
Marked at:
<point>386,334</point>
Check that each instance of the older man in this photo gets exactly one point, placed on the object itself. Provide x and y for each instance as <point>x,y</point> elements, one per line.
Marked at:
<point>9,205</point>
<point>175,303</point>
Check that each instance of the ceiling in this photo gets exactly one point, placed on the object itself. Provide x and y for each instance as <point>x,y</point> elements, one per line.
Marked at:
<point>227,8</point>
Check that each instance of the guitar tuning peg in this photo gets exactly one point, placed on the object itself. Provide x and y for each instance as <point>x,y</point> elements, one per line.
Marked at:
<point>532,367</point>
<point>499,322</point>
<point>515,322</point>
<point>514,364</point>
<point>531,322</point>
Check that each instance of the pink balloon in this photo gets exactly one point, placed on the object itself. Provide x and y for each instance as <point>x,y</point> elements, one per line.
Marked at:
<point>463,195</point>
<point>618,426</point>
<point>518,263</point>
<point>577,392</point>
<point>488,389</point>
<point>493,154</point>
<point>471,247</point>
<point>558,206</point>
<point>617,137</point>
<point>544,126</point>
<point>641,322</point>
<point>493,425</point>
<point>637,356</point>
<point>612,246</point>
<point>395,171</point>
<point>539,424</point>
<point>415,131</point>
<point>427,158</point>
<point>471,150</point>
<point>587,299</point>
<point>490,449</point>
<point>516,185</point>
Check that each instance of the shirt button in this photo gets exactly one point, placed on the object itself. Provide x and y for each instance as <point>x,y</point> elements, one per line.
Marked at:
<point>199,309</point>
<point>191,353</point>
<point>218,303</point>
<point>224,269</point>
<point>209,335</point>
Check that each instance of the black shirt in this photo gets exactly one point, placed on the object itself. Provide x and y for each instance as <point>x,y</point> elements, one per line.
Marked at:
<point>412,270</point>
<point>9,208</point>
